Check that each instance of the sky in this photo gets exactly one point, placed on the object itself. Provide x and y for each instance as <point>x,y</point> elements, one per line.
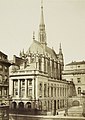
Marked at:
<point>64,22</point>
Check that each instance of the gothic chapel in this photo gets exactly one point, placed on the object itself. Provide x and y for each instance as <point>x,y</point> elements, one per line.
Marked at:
<point>36,76</point>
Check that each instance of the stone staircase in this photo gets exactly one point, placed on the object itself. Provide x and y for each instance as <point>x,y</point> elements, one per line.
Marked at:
<point>75,111</point>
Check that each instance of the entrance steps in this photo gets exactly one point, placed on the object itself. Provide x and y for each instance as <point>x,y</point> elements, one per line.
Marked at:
<point>75,111</point>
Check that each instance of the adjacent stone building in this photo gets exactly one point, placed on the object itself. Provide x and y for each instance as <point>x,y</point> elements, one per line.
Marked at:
<point>4,79</point>
<point>75,72</point>
<point>36,76</point>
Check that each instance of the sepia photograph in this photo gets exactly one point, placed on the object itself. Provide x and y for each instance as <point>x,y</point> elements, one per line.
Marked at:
<point>42,59</point>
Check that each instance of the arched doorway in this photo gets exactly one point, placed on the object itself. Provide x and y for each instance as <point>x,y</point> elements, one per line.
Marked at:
<point>28,105</point>
<point>13,105</point>
<point>75,103</point>
<point>21,105</point>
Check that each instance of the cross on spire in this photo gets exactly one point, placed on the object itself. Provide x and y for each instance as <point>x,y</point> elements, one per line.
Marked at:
<point>41,3</point>
<point>42,16</point>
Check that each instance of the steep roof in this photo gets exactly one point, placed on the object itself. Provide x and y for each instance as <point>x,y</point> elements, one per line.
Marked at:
<point>37,47</point>
<point>51,52</point>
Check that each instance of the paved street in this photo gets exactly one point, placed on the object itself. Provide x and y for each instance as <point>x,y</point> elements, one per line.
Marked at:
<point>58,117</point>
<point>73,113</point>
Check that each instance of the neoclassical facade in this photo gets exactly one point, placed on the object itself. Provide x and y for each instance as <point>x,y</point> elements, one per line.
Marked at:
<point>36,76</point>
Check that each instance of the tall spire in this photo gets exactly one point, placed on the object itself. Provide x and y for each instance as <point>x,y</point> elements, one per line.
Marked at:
<point>42,33</point>
<point>61,59</point>
<point>42,16</point>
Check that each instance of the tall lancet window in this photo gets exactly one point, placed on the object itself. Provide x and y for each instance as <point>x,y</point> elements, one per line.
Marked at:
<point>40,64</point>
<point>44,65</point>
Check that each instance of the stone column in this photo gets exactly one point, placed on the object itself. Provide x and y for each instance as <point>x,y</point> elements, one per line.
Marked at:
<point>33,89</point>
<point>29,58</point>
<point>49,90</point>
<point>11,87</point>
<point>83,105</point>
<point>36,86</point>
<point>19,89</point>
<point>25,88</point>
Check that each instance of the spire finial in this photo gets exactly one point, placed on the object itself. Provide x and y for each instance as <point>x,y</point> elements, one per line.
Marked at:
<point>33,35</point>
<point>20,54</point>
<point>23,51</point>
<point>60,45</point>
<point>60,49</point>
